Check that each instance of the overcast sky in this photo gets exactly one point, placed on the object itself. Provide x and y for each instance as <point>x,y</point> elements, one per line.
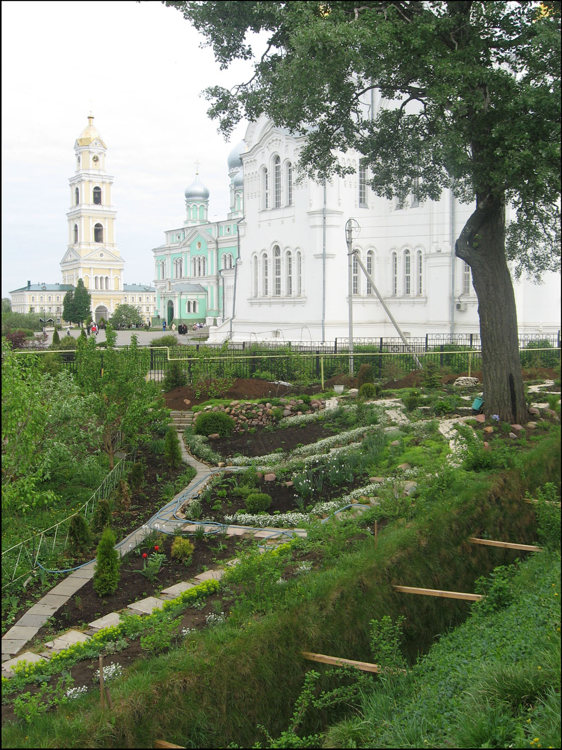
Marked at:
<point>139,68</point>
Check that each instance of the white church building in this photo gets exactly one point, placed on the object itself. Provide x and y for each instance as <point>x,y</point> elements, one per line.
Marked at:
<point>277,269</point>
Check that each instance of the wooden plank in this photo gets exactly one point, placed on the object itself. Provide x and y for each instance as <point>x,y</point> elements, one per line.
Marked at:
<point>338,662</point>
<point>437,592</point>
<point>163,743</point>
<point>506,545</point>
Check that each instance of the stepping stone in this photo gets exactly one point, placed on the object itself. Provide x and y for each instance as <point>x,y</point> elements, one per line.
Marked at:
<point>146,606</point>
<point>178,588</point>
<point>28,656</point>
<point>208,575</point>
<point>108,621</point>
<point>236,531</point>
<point>67,639</point>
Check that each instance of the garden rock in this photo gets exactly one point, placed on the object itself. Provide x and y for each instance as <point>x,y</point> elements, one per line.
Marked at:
<point>269,477</point>
<point>517,428</point>
<point>466,382</point>
<point>480,418</point>
<point>353,392</point>
<point>488,430</point>
<point>513,436</point>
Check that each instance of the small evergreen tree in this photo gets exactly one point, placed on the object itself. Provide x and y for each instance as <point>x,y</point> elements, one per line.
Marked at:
<point>79,536</point>
<point>172,450</point>
<point>175,377</point>
<point>102,515</point>
<point>106,576</point>
<point>56,337</point>
<point>82,303</point>
<point>123,495</point>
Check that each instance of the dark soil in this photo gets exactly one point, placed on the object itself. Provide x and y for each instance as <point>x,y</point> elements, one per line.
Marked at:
<point>184,397</point>
<point>264,441</point>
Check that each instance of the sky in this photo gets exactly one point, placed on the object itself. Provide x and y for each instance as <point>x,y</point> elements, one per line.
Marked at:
<point>139,68</point>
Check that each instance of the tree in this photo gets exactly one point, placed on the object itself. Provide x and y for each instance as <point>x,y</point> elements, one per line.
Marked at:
<point>475,88</point>
<point>76,304</point>
<point>6,305</point>
<point>126,316</point>
<point>68,306</point>
<point>108,563</point>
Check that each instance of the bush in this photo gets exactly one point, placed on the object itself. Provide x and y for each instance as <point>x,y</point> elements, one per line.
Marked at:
<point>365,375</point>
<point>102,515</point>
<point>106,576</point>
<point>431,377</point>
<point>136,476</point>
<point>175,376</point>
<point>209,423</point>
<point>368,390</point>
<point>257,502</point>
<point>182,549</point>
<point>67,342</point>
<point>531,358</point>
<point>79,536</point>
<point>123,495</point>
<point>56,338</point>
<point>166,340</point>
<point>412,400</point>
<point>172,450</point>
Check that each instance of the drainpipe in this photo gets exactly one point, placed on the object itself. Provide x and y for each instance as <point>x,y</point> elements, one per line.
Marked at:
<point>453,258</point>
<point>217,274</point>
<point>238,261</point>
<point>324,265</point>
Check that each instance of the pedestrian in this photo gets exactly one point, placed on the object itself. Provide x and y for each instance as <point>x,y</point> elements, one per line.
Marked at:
<point>173,326</point>
<point>88,328</point>
<point>94,329</point>
<point>163,325</point>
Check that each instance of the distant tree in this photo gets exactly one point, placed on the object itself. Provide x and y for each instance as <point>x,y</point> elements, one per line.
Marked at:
<point>126,316</point>
<point>475,92</point>
<point>6,305</point>
<point>82,303</point>
<point>68,306</point>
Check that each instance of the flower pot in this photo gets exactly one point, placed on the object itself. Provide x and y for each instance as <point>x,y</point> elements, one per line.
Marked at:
<point>338,389</point>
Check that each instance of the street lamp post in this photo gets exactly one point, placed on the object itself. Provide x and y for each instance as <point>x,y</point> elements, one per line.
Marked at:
<point>350,225</point>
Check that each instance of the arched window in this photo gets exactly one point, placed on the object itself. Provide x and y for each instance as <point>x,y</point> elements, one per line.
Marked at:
<point>194,307</point>
<point>299,273</point>
<point>265,274</point>
<point>97,196</point>
<point>407,273</point>
<point>370,270</point>
<point>194,212</point>
<point>203,266</point>
<point>162,268</point>
<point>96,282</point>
<point>394,274</point>
<point>355,276</point>
<point>265,187</point>
<point>75,233</point>
<point>277,271</point>
<point>227,260</point>
<point>189,307</point>
<point>362,183</point>
<point>178,268</point>
<point>98,233</point>
<point>466,278</point>
<point>276,181</point>
<point>76,196</point>
<point>255,272</point>
<point>289,273</point>
<point>289,183</point>
<point>419,275</point>
<point>202,212</point>
<point>107,282</point>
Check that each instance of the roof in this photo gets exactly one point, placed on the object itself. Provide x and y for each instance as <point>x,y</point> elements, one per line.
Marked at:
<point>186,287</point>
<point>44,288</point>
<point>138,288</point>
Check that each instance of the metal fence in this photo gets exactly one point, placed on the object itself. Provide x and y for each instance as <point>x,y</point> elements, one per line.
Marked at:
<point>23,558</point>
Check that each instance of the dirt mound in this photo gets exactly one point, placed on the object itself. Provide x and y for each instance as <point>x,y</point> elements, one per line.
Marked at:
<point>242,388</point>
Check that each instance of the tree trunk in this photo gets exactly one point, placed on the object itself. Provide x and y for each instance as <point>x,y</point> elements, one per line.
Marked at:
<point>481,244</point>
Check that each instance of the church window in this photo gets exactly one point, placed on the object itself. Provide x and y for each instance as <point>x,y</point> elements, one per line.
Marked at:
<point>178,268</point>
<point>58,298</point>
<point>265,275</point>
<point>124,299</point>
<point>255,279</point>
<point>202,212</point>
<point>76,196</point>
<point>78,162</point>
<point>362,183</point>
<point>466,278</point>
<point>97,196</point>
<point>276,181</point>
<point>98,233</point>
<point>407,273</point>
<point>265,188</point>
<point>394,274</point>
<point>289,274</point>
<point>194,307</point>
<point>277,271</point>
<point>355,276</point>
<point>289,183</point>
<point>370,268</point>
<point>75,233</point>
<point>419,259</point>
<point>299,274</point>
<point>50,299</point>
<point>96,282</point>
<point>227,260</point>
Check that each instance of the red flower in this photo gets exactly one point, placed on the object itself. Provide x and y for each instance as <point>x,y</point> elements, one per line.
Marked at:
<point>156,547</point>
<point>144,554</point>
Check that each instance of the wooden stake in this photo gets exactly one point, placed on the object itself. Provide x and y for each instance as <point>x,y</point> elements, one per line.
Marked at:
<point>163,743</point>
<point>102,691</point>
<point>506,545</point>
<point>376,533</point>
<point>338,662</point>
<point>437,592</point>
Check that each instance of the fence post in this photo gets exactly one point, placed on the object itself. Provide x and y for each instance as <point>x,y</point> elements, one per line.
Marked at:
<point>471,336</point>
<point>317,363</point>
<point>336,345</point>
<point>441,358</point>
<point>426,341</point>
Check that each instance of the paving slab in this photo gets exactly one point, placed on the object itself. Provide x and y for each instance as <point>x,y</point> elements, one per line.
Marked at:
<point>86,572</point>
<point>236,531</point>
<point>28,656</point>
<point>42,609</point>
<point>32,620</point>
<point>108,621</point>
<point>67,639</point>
<point>11,646</point>
<point>69,586</point>
<point>208,575</point>
<point>56,600</point>
<point>19,633</point>
<point>146,606</point>
<point>178,588</point>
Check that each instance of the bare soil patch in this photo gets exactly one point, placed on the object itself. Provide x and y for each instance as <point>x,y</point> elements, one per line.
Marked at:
<point>264,441</point>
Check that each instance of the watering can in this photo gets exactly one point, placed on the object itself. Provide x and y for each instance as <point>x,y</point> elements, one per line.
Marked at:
<point>477,404</point>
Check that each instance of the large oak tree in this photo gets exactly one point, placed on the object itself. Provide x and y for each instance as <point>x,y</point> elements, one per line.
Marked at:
<point>476,92</point>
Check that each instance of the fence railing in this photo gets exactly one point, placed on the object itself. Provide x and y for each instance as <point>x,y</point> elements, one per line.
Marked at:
<point>23,558</point>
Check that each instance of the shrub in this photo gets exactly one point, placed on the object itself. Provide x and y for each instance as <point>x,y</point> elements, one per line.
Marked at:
<point>172,450</point>
<point>365,375</point>
<point>56,337</point>
<point>412,400</point>
<point>67,342</point>
<point>368,390</point>
<point>136,476</point>
<point>209,423</point>
<point>175,376</point>
<point>79,536</point>
<point>123,495</point>
<point>257,502</point>
<point>430,374</point>
<point>182,549</point>
<point>102,515</point>
<point>106,576</point>
<point>168,340</point>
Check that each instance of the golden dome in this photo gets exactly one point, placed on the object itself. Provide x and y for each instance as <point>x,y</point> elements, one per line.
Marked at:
<point>89,134</point>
